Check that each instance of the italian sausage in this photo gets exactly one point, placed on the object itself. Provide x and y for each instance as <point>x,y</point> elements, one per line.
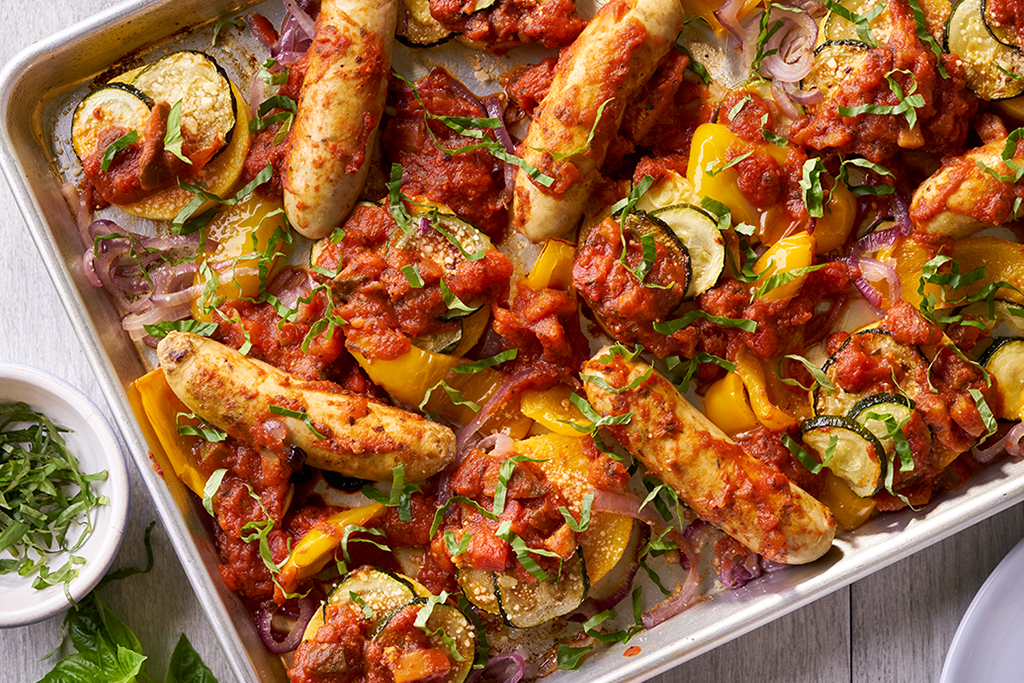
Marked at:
<point>608,64</point>
<point>339,110</point>
<point>752,502</point>
<point>354,435</point>
<point>961,198</point>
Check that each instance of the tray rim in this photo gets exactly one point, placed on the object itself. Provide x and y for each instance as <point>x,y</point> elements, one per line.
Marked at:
<point>988,493</point>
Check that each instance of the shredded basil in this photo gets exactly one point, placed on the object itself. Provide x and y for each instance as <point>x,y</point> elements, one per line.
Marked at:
<point>456,549</point>
<point>454,395</point>
<point>776,280</point>
<point>921,28</point>
<point>862,190</point>
<point>211,434</point>
<point>810,183</point>
<point>286,117</point>
<point>711,171</point>
<point>617,349</point>
<point>400,495</point>
<point>584,522</point>
<point>479,365</point>
<point>412,276</point>
<point>820,378</point>
<point>116,146</point>
<point>908,106</point>
<point>806,459</point>
<point>44,496</point>
<point>298,415</point>
<point>161,329</point>
<point>624,207</point>
<point>862,23</point>
<point>596,419</point>
<point>985,411</point>
<point>173,137</point>
<point>452,302</point>
<point>600,381</point>
<point>504,475</point>
<point>210,489</point>
<point>221,23</point>
<point>690,366</point>
<point>202,195</point>
<point>695,66</point>
<point>439,513</point>
<point>673,326</point>
<point>571,658</point>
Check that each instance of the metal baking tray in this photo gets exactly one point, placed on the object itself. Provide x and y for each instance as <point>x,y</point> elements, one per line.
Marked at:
<point>38,89</point>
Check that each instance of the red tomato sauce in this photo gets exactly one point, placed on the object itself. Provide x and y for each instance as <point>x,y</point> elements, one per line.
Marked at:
<point>470,183</point>
<point>508,23</point>
<point>381,307</point>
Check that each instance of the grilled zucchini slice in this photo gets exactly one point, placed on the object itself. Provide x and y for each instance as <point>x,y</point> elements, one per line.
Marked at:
<point>417,27</point>
<point>524,604</point>
<point>445,621</point>
<point>115,104</point>
<point>858,458</point>
<point>1004,360</point>
<point>834,61</point>
<point>1006,313</point>
<point>871,412</point>
<point>1002,33</point>
<point>908,362</point>
<point>208,108</point>
<point>699,234</point>
<point>840,28</point>
<point>380,590</point>
<point>989,66</point>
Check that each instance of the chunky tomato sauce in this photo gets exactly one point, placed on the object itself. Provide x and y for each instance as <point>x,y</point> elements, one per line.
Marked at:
<point>508,23</point>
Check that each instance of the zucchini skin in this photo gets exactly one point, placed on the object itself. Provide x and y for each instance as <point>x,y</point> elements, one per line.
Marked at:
<point>364,439</point>
<point>747,499</point>
<point>339,111</point>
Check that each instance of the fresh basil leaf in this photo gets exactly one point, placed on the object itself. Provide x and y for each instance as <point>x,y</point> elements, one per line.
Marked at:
<point>186,666</point>
<point>584,522</point>
<point>776,280</point>
<point>862,23</point>
<point>412,275</point>
<point>211,434</point>
<point>712,171</point>
<point>217,28</point>
<point>504,475</point>
<point>211,488</point>
<point>673,326</point>
<point>571,658</point>
<point>598,380</point>
<point>623,207</point>
<point>476,366</point>
<point>806,459</point>
<point>298,415</point>
<point>116,146</point>
<point>820,378</point>
<point>173,137</point>
<point>810,183</point>
<point>161,329</point>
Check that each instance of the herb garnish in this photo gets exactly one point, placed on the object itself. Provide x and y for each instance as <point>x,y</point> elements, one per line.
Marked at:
<point>43,497</point>
<point>116,146</point>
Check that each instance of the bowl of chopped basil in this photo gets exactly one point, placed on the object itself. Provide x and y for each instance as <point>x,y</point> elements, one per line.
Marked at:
<point>63,495</point>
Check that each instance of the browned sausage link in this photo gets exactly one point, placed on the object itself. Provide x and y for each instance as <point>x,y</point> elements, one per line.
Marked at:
<point>340,107</point>
<point>361,437</point>
<point>609,63</point>
<point>752,502</point>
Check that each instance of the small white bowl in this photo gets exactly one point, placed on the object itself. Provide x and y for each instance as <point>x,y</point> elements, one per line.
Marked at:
<point>96,446</point>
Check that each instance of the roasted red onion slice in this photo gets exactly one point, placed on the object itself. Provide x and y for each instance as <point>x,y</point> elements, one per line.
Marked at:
<point>306,22</point>
<point>873,270</point>
<point>510,668</point>
<point>728,15</point>
<point>1013,440</point>
<point>291,640</point>
<point>788,53</point>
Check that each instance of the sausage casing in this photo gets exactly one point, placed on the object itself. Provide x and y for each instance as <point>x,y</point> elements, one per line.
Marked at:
<point>752,502</point>
<point>340,108</point>
<point>609,63</point>
<point>361,437</point>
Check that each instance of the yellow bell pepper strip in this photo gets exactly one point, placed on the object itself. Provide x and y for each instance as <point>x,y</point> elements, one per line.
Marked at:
<point>785,256</point>
<point>235,230</point>
<point>850,510</point>
<point>1002,260</point>
<point>553,267</point>
<point>408,377</point>
<point>552,409</point>
<point>711,144</point>
<point>565,465</point>
<point>726,404</point>
<point>833,229</point>
<point>416,665</point>
<point>751,372</point>
<point>908,256</point>
<point>316,548</point>
<point>160,407</point>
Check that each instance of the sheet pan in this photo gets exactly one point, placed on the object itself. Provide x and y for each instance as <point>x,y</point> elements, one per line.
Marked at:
<point>37,91</point>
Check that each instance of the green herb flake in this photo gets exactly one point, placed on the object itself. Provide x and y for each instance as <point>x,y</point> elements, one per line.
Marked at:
<point>584,522</point>
<point>599,381</point>
<point>478,365</point>
<point>160,330</point>
<point>810,184</point>
<point>116,146</point>
<point>173,137</point>
<point>298,415</point>
<point>571,658</point>
<point>211,434</point>
<point>673,326</point>
<point>808,460</point>
<point>211,488</point>
<point>44,498</point>
<point>219,26</point>
<point>861,22</point>
<point>412,275</point>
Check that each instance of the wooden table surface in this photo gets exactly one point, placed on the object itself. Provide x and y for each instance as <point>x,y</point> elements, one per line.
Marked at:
<point>893,626</point>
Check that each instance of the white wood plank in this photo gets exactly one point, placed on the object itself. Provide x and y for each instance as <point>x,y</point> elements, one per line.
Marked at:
<point>904,617</point>
<point>810,645</point>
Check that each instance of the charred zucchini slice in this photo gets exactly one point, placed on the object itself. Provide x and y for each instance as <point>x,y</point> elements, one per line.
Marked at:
<point>872,411</point>
<point>523,604</point>
<point>639,224</point>
<point>1004,361</point>
<point>115,104</point>
<point>444,622</point>
<point>417,27</point>
<point>380,591</point>
<point>699,234</point>
<point>208,106</point>
<point>857,456</point>
<point>478,587</point>
<point>989,66</point>
<point>839,28</point>
<point>1002,33</point>
<point>908,363</point>
<point>834,61</point>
